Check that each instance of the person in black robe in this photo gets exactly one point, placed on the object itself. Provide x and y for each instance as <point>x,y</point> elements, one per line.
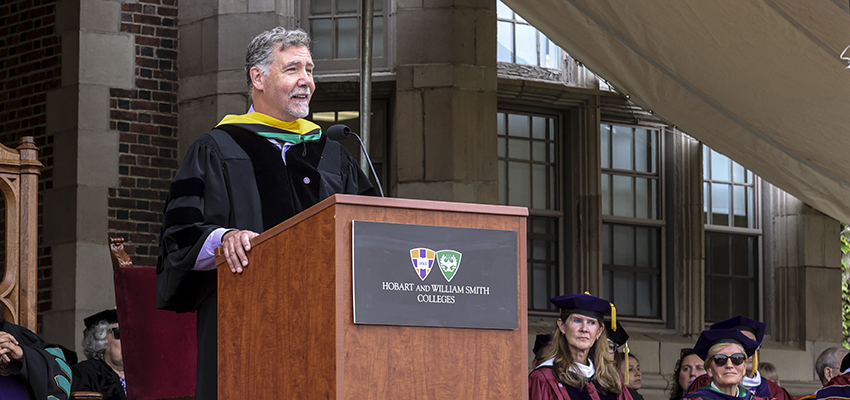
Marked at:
<point>30,367</point>
<point>247,175</point>
<point>103,371</point>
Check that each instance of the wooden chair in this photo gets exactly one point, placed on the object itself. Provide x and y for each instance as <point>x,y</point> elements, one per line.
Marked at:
<point>159,347</point>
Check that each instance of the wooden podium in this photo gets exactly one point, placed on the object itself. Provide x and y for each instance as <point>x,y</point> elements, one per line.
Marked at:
<point>286,326</point>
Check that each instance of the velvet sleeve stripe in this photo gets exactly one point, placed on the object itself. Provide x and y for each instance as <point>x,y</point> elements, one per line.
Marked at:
<point>188,236</point>
<point>186,187</point>
<point>182,216</point>
<point>63,382</point>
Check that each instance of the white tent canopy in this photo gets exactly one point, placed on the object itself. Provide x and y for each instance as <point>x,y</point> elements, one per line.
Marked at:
<point>761,81</point>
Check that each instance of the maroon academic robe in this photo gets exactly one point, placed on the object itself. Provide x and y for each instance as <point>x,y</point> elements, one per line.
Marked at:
<point>543,385</point>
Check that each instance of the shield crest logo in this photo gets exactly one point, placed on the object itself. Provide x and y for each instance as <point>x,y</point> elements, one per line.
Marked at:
<point>423,261</point>
<point>449,262</point>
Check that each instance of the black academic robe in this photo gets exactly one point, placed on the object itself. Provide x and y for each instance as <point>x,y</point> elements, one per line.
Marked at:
<point>97,376</point>
<point>42,371</point>
<point>233,178</point>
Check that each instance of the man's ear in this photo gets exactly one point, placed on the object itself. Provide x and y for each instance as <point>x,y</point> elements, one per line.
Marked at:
<point>257,77</point>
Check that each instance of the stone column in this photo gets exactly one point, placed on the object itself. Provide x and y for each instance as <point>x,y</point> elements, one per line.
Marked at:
<point>806,256</point>
<point>213,37</point>
<point>686,252</point>
<point>445,113</point>
<point>96,56</point>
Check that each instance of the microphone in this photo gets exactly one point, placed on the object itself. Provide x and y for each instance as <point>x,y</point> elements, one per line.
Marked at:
<point>339,132</point>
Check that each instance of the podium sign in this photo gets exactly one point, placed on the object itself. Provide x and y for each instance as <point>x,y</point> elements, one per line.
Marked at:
<point>421,275</point>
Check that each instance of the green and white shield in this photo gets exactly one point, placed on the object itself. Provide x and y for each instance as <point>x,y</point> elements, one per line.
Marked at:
<point>449,262</point>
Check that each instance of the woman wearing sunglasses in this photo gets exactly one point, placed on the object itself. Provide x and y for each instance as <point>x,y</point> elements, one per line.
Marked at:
<point>103,371</point>
<point>725,352</point>
<point>577,365</point>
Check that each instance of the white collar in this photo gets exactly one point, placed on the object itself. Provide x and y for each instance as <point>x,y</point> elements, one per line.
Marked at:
<point>752,382</point>
<point>587,371</point>
<point>548,363</point>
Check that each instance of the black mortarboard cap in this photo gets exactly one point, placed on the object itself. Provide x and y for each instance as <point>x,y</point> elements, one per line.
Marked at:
<point>743,323</point>
<point>583,304</point>
<point>619,337</point>
<point>541,341</point>
<point>110,316</point>
<point>711,337</point>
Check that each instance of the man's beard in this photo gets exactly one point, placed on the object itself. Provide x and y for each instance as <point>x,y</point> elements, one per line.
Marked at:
<point>298,110</point>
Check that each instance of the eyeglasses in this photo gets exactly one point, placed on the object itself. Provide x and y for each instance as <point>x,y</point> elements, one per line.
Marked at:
<point>118,337</point>
<point>737,359</point>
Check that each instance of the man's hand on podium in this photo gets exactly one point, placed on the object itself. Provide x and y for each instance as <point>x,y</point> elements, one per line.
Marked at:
<point>236,244</point>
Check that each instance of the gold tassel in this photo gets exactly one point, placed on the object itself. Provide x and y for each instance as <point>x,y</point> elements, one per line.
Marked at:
<point>626,358</point>
<point>755,362</point>
<point>613,317</point>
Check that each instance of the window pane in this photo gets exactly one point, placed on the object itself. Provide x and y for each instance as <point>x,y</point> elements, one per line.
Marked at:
<point>518,148</point>
<point>500,123</point>
<point>378,5</point>
<point>526,44</point>
<point>503,182</point>
<point>642,198</point>
<point>739,203</point>
<point>623,197</point>
<point>624,245</point>
<point>642,247</point>
<point>624,292</point>
<point>322,38</point>
<point>642,150</point>
<point>518,125</point>
<point>519,175</point>
<point>538,127</point>
<point>645,288</point>
<point>378,37</point>
<point>539,186</point>
<point>720,206</point>
<point>320,7</point>
<point>742,263</point>
<point>347,38</point>
<point>505,42</point>
<point>606,194</point>
<point>720,167</point>
<point>606,244</point>
<point>605,147</point>
<point>539,151</point>
<point>621,140</point>
<point>550,53</point>
<point>540,283</point>
<point>653,198</point>
<point>503,11</point>
<point>346,6</point>
<point>738,173</point>
<point>502,147</point>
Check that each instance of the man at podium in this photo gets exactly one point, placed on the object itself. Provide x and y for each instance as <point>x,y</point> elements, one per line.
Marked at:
<point>248,174</point>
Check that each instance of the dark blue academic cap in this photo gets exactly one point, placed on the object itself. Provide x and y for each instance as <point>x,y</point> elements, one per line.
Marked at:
<point>743,323</point>
<point>619,337</point>
<point>541,341</point>
<point>583,304</point>
<point>711,337</point>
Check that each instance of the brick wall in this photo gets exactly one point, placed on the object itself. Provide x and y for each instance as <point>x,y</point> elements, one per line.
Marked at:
<point>146,119</point>
<point>30,66</point>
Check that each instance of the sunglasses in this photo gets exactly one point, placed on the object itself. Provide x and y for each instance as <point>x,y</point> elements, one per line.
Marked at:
<point>737,359</point>
<point>118,336</point>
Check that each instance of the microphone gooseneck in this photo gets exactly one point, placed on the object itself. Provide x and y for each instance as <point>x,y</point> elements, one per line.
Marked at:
<point>339,132</point>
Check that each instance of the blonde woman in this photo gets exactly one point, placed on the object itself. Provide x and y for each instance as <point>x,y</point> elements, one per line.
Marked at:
<point>577,365</point>
<point>725,352</point>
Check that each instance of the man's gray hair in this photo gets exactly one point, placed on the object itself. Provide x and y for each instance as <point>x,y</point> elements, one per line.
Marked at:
<point>830,357</point>
<point>94,340</point>
<point>260,52</point>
